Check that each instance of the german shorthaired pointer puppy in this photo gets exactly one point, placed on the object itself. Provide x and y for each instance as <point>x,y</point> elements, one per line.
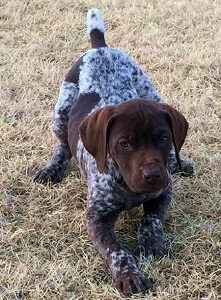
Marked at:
<point>110,118</point>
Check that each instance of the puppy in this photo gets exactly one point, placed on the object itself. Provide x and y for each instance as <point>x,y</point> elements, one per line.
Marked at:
<point>110,118</point>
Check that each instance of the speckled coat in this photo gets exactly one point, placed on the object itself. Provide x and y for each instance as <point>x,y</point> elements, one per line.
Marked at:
<point>112,75</point>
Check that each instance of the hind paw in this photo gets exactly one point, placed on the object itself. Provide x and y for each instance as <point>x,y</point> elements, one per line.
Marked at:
<point>49,174</point>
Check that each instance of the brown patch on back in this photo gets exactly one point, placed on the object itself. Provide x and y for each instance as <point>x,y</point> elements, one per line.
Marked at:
<point>74,72</point>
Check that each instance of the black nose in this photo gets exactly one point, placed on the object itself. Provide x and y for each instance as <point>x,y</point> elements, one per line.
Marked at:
<point>151,174</point>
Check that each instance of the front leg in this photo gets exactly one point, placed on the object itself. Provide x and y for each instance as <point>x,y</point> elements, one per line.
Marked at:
<point>122,265</point>
<point>150,233</point>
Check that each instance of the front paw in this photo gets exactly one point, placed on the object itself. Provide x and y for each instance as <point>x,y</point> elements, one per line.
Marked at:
<point>130,282</point>
<point>152,247</point>
<point>151,240</point>
<point>48,174</point>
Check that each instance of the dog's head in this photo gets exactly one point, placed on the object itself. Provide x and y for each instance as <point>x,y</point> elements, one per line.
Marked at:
<point>138,135</point>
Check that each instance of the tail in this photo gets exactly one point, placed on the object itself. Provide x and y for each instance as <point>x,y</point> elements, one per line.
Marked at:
<point>96,28</point>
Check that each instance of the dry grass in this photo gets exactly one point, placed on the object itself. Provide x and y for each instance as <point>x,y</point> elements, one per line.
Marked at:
<point>45,252</point>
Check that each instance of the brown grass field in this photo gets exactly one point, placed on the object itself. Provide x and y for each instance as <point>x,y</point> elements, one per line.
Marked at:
<point>45,252</point>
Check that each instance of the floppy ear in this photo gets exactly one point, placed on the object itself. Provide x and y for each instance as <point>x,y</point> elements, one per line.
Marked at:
<point>179,127</point>
<point>93,131</point>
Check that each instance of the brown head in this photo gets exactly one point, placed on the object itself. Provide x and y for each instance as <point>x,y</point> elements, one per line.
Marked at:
<point>138,135</point>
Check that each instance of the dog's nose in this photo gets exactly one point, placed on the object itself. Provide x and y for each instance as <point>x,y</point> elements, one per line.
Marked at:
<point>151,174</point>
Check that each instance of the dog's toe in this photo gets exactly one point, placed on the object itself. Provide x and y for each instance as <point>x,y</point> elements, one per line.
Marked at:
<point>46,175</point>
<point>129,282</point>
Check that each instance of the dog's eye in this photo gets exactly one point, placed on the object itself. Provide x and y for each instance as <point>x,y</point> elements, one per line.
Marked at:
<point>124,143</point>
<point>164,139</point>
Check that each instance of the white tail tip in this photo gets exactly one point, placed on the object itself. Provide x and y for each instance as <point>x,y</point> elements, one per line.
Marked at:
<point>95,21</point>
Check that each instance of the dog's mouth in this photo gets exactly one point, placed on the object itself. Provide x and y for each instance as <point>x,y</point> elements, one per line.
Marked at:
<point>146,180</point>
<point>149,190</point>
<point>140,186</point>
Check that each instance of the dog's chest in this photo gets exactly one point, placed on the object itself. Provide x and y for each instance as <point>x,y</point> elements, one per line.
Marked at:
<point>108,192</point>
<point>107,195</point>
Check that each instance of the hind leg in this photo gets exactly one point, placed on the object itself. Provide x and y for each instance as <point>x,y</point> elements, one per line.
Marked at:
<point>55,168</point>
